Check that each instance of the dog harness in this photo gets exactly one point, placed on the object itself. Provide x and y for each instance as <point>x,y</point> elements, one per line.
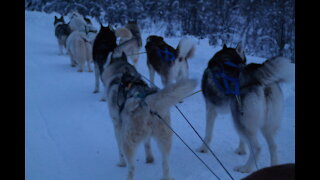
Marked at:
<point>166,55</point>
<point>124,43</point>
<point>127,81</point>
<point>89,30</point>
<point>225,87</point>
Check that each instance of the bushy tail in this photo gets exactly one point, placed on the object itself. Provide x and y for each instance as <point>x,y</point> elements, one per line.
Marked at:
<point>186,48</point>
<point>123,33</point>
<point>171,95</point>
<point>278,69</point>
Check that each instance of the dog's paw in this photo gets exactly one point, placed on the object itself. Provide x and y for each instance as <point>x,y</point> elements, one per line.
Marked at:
<point>103,99</point>
<point>95,91</point>
<point>240,151</point>
<point>202,149</point>
<point>243,169</point>
<point>149,160</point>
<point>73,65</point>
<point>90,70</point>
<point>80,70</point>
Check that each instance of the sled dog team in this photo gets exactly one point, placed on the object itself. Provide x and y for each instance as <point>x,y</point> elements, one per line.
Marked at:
<point>251,92</point>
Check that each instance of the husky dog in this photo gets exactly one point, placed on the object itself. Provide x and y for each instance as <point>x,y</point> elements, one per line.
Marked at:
<point>139,112</point>
<point>130,41</point>
<point>91,33</point>
<point>171,64</point>
<point>252,93</point>
<point>61,31</point>
<point>80,50</point>
<point>77,22</point>
<point>135,30</point>
<point>104,43</point>
<point>90,30</point>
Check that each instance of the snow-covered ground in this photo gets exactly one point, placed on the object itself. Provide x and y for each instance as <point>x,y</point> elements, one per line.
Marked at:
<point>69,134</point>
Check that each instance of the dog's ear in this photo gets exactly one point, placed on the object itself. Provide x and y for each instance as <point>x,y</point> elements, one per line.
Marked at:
<point>240,51</point>
<point>225,46</point>
<point>101,26</point>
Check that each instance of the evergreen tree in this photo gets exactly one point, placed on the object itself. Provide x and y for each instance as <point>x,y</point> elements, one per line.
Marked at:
<point>267,28</point>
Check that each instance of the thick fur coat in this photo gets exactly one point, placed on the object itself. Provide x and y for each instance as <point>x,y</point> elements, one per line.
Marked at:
<point>258,107</point>
<point>104,44</point>
<point>77,22</point>
<point>171,64</point>
<point>130,41</point>
<point>61,31</point>
<point>80,50</point>
<point>136,110</point>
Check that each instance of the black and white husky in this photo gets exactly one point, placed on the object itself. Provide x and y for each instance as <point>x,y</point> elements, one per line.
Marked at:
<point>105,42</point>
<point>252,93</point>
<point>171,64</point>
<point>135,109</point>
<point>61,31</point>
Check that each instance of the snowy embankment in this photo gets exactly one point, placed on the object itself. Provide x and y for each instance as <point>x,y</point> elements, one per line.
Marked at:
<point>69,134</point>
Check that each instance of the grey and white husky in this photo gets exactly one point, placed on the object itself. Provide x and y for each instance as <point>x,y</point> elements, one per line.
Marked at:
<point>130,41</point>
<point>253,95</point>
<point>61,31</point>
<point>136,109</point>
<point>171,64</point>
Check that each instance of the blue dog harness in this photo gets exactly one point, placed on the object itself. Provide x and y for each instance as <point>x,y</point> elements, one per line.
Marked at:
<point>166,55</point>
<point>226,79</point>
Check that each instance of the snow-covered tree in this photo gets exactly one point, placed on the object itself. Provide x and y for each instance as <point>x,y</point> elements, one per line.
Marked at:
<point>267,27</point>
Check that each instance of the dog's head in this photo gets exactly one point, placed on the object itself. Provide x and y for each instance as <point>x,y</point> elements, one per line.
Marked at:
<point>231,60</point>
<point>154,41</point>
<point>58,20</point>
<point>107,33</point>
